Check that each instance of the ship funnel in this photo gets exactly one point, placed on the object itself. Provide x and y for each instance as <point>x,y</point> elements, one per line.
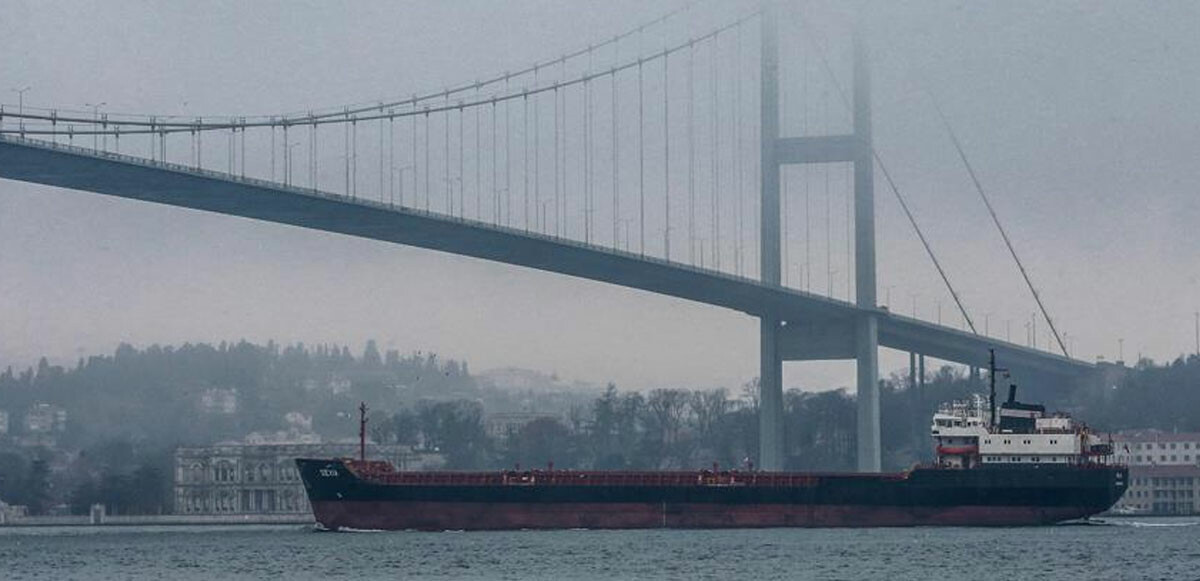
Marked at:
<point>1012,393</point>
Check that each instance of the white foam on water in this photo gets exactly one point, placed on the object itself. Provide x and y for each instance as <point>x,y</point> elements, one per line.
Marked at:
<point>1144,524</point>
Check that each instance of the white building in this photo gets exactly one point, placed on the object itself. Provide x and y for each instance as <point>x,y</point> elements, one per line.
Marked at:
<point>261,478</point>
<point>1164,472</point>
<point>215,400</point>
<point>44,418</point>
<point>1157,448</point>
<point>506,424</point>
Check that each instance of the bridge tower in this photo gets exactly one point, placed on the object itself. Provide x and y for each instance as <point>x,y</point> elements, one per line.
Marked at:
<point>781,339</point>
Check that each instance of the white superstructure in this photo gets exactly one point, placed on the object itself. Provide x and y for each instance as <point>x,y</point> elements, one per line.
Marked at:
<point>965,437</point>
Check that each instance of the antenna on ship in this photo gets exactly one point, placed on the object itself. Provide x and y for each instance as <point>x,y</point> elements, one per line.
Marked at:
<point>362,430</point>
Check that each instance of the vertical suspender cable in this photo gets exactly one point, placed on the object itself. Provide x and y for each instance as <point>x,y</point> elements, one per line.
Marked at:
<point>525,156</point>
<point>565,146</point>
<point>507,158</point>
<point>537,130</point>
<point>849,236</point>
<point>828,204</point>
<point>590,207</point>
<point>413,163</point>
<point>345,151</point>
<point>735,145</point>
<point>784,203</point>
<point>392,159</point>
<point>641,161</point>
<point>427,148</point>
<point>716,160</point>
<point>691,137</point>
<point>478,183</point>
<point>666,158</point>
<point>616,188</point>
<point>381,158</point>
<point>462,179</point>
<point>354,156</point>
<point>557,204</point>
<point>446,165</point>
<point>495,191</point>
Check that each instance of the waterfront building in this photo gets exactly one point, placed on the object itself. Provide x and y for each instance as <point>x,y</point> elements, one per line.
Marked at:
<point>259,476</point>
<point>1164,472</point>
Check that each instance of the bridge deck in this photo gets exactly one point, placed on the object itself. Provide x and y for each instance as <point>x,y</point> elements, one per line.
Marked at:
<point>176,185</point>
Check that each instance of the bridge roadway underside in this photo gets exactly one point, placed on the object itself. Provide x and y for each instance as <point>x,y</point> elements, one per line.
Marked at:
<point>817,327</point>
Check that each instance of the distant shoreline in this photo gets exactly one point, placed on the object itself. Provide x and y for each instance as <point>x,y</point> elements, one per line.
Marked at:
<point>159,520</point>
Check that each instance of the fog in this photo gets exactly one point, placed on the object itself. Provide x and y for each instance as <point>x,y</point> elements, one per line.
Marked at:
<point>1081,120</point>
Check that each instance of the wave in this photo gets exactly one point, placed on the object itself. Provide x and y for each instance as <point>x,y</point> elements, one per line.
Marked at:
<point>1144,524</point>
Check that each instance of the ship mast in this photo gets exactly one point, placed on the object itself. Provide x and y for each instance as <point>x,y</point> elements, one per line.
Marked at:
<point>362,428</point>
<point>992,386</point>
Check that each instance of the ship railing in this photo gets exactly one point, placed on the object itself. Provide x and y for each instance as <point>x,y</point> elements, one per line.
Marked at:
<point>615,478</point>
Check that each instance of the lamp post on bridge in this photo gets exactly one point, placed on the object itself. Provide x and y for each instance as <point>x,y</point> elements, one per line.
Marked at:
<point>96,122</point>
<point>398,172</point>
<point>287,161</point>
<point>21,105</point>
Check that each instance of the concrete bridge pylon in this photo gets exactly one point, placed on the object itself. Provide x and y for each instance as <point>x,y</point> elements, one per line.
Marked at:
<point>804,340</point>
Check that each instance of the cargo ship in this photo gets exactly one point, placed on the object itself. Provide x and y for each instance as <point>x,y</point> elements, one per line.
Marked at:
<point>1025,467</point>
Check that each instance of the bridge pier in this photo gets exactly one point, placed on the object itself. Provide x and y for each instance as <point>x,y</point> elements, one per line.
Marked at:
<point>770,406</point>
<point>867,328</point>
<point>857,338</point>
<point>770,375</point>
<point>866,339</point>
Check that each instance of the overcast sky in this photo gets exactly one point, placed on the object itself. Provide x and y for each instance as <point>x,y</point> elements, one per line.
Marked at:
<point>1081,119</point>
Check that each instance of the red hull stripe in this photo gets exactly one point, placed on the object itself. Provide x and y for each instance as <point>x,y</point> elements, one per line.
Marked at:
<point>436,516</point>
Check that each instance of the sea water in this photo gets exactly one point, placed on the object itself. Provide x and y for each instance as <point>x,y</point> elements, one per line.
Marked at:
<point>1116,548</point>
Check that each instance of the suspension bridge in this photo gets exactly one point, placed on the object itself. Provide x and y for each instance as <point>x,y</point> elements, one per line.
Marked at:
<point>681,158</point>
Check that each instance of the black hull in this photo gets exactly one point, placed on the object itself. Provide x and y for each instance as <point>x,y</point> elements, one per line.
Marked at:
<point>1013,495</point>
